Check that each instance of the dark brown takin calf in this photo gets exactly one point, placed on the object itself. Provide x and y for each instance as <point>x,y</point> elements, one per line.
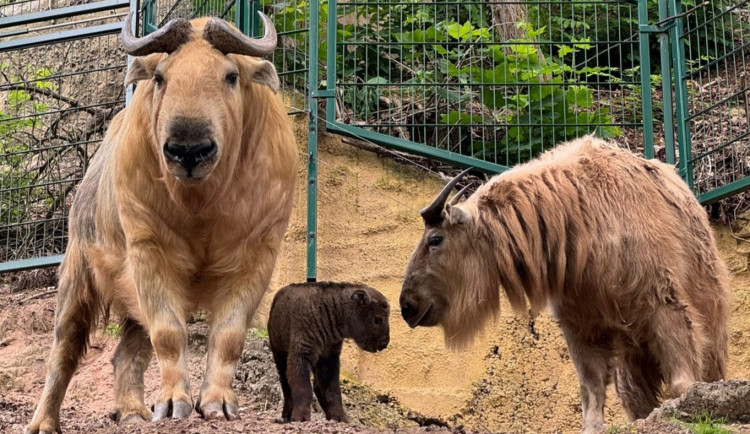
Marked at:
<point>306,328</point>
<point>618,248</point>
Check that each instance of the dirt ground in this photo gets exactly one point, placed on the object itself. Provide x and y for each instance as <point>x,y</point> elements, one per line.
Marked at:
<point>508,380</point>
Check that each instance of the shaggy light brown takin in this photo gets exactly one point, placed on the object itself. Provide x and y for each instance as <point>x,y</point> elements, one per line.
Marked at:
<point>184,206</point>
<point>617,247</point>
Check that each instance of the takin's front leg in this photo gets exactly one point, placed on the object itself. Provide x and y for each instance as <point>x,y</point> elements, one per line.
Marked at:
<point>593,365</point>
<point>131,359</point>
<point>232,307</point>
<point>159,298</point>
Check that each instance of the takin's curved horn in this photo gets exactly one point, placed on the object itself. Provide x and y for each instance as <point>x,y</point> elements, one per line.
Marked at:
<point>433,213</point>
<point>227,39</point>
<point>165,40</point>
<point>459,195</point>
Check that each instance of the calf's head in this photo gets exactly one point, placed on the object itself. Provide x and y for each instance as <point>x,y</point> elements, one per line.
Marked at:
<point>448,278</point>
<point>368,319</point>
<point>198,90</point>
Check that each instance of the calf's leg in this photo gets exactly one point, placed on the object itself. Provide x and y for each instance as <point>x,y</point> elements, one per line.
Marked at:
<point>131,359</point>
<point>280,359</point>
<point>327,388</point>
<point>298,374</point>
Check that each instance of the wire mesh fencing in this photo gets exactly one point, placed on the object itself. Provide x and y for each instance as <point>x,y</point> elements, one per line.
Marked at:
<point>717,78</point>
<point>55,101</point>
<point>499,81</point>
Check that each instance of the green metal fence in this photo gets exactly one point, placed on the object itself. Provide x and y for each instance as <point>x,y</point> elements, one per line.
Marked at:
<point>61,75</point>
<point>488,84</point>
<point>712,71</point>
<point>484,83</point>
<point>60,83</point>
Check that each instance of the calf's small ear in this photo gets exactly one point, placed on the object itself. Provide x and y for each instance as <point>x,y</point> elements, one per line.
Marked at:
<point>360,296</point>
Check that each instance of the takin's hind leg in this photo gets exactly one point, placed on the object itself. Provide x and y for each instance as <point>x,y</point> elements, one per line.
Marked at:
<point>77,309</point>
<point>327,388</point>
<point>280,359</point>
<point>638,382</point>
<point>131,359</point>
<point>592,365</point>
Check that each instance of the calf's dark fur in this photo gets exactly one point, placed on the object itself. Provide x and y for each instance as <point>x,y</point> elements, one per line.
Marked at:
<point>307,327</point>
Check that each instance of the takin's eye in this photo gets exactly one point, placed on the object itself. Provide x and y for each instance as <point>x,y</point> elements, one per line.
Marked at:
<point>231,78</point>
<point>378,320</point>
<point>158,79</point>
<point>434,240</point>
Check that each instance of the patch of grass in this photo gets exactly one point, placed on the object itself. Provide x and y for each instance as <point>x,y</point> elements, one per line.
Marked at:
<point>616,429</point>
<point>113,329</point>
<point>705,424</point>
<point>261,333</point>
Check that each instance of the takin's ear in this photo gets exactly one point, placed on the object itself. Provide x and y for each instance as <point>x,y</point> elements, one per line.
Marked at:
<point>360,297</point>
<point>262,72</point>
<point>456,215</point>
<point>142,68</point>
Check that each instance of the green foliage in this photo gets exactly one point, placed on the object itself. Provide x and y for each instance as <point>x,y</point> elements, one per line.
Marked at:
<point>705,424</point>
<point>113,330</point>
<point>261,333</point>
<point>711,28</point>
<point>510,100</point>
<point>15,124</point>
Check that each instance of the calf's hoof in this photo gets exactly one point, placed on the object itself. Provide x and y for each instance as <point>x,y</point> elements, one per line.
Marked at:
<point>173,408</point>
<point>300,416</point>
<point>338,417</point>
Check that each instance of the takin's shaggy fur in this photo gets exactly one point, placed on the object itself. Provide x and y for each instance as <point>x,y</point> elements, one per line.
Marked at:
<point>617,246</point>
<point>306,329</point>
<point>184,206</point>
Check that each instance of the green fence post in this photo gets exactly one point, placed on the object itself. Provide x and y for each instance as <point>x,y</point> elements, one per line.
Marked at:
<point>312,145</point>
<point>643,45</point>
<point>246,17</point>
<point>149,17</point>
<point>666,85</point>
<point>680,94</point>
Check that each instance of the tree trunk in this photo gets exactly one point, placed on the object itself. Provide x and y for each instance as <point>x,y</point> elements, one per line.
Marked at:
<point>505,16</point>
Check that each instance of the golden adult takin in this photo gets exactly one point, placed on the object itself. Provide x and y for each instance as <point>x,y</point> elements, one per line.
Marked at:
<point>618,248</point>
<point>184,206</point>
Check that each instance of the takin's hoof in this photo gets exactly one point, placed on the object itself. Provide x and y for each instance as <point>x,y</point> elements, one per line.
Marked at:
<point>217,410</point>
<point>44,427</point>
<point>176,409</point>
<point>132,417</point>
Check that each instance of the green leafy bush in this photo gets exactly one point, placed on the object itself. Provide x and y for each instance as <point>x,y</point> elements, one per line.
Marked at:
<point>15,124</point>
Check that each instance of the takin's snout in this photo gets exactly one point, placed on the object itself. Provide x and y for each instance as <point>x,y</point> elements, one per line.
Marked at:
<point>190,149</point>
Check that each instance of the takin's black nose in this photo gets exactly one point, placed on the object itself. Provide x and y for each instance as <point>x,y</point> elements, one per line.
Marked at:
<point>409,308</point>
<point>190,156</point>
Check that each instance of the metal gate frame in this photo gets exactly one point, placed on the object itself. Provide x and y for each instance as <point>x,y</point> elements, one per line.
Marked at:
<point>40,40</point>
